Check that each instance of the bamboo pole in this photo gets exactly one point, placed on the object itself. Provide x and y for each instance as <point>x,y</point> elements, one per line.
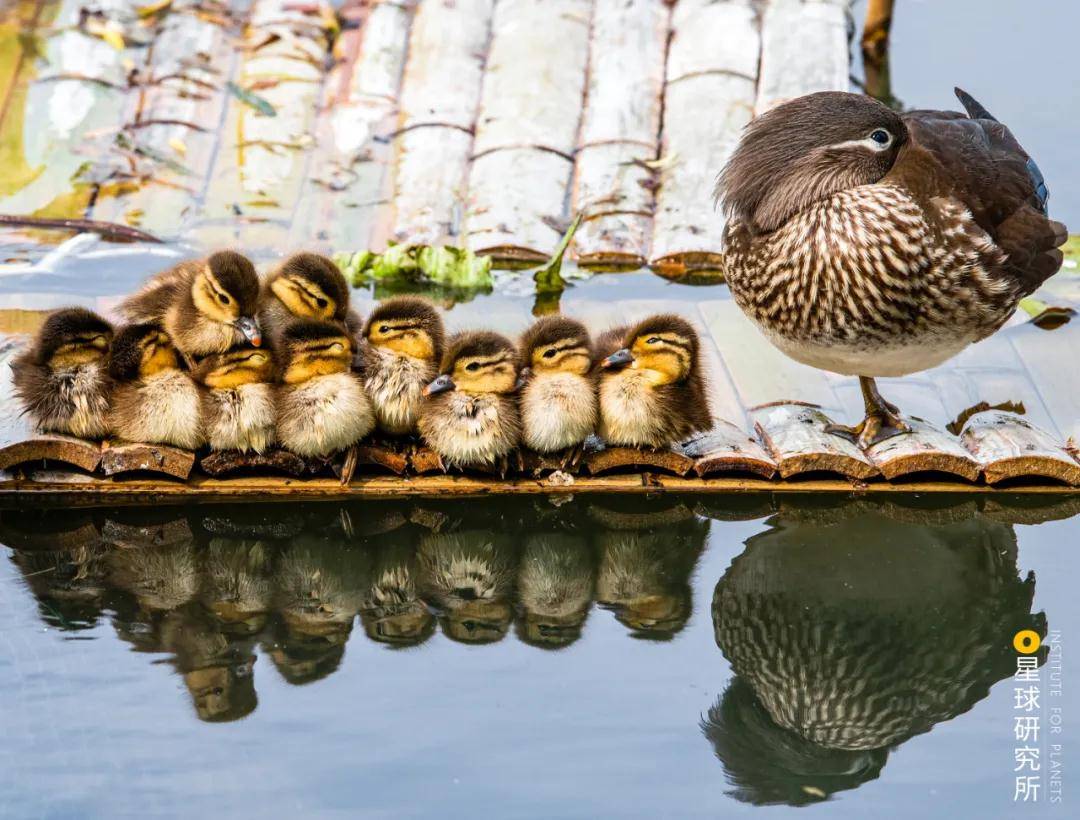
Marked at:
<point>73,110</point>
<point>620,131</point>
<point>440,100</point>
<point>712,69</point>
<point>344,197</point>
<point>172,121</point>
<point>804,48</point>
<point>259,170</point>
<point>527,128</point>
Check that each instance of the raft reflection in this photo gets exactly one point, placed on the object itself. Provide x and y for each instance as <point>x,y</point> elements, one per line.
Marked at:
<point>849,633</point>
<point>209,586</point>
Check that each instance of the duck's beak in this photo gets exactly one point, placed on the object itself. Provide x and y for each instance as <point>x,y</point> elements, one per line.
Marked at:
<point>250,328</point>
<point>523,378</point>
<point>617,359</point>
<point>440,385</point>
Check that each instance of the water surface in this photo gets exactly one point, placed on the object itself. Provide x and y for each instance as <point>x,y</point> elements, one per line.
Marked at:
<point>665,657</point>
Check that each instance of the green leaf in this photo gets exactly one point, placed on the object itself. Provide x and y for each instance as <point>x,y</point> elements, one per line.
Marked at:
<point>248,98</point>
<point>1032,306</point>
<point>548,278</point>
<point>457,267</point>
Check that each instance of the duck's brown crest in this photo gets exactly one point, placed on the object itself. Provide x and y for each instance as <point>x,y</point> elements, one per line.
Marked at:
<point>551,329</point>
<point>474,343</point>
<point>61,325</point>
<point>125,355</point>
<point>787,158</point>
<point>235,273</point>
<point>322,272</point>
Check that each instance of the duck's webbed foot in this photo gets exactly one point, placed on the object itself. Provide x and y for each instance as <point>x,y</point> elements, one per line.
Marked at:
<point>883,420</point>
<point>348,467</point>
<point>572,457</point>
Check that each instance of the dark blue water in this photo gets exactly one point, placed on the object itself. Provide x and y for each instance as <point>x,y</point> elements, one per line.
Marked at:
<point>675,658</point>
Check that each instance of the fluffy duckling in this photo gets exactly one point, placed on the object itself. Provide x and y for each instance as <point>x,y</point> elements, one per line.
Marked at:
<point>652,393</point>
<point>206,306</point>
<point>321,406</point>
<point>155,402</point>
<point>62,380</point>
<point>238,410</point>
<point>306,286</point>
<point>558,400</point>
<point>405,341</point>
<point>469,417</point>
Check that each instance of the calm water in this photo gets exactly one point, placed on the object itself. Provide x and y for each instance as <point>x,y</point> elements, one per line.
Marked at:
<point>642,658</point>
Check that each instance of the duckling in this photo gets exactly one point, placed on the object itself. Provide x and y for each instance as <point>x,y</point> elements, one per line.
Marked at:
<point>321,406</point>
<point>405,340</point>
<point>62,380</point>
<point>393,612</point>
<point>306,286</point>
<point>155,402</point>
<point>652,392</point>
<point>558,400</point>
<point>206,306</point>
<point>469,417</point>
<point>556,581</point>
<point>238,410</point>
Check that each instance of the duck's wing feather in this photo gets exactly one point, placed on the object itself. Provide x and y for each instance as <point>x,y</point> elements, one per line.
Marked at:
<point>150,302</point>
<point>976,162</point>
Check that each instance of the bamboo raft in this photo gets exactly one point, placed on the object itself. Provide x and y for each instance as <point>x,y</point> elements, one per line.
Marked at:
<point>246,123</point>
<point>998,418</point>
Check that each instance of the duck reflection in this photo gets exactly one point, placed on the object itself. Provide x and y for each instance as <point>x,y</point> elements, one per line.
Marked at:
<point>468,575</point>
<point>393,613</point>
<point>320,584</point>
<point>237,583</point>
<point>556,582</point>
<point>646,560</point>
<point>850,632</point>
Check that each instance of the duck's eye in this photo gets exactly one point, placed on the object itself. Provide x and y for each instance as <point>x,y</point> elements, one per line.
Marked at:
<point>880,136</point>
<point>223,298</point>
<point>384,328</point>
<point>472,367</point>
<point>655,340</point>
<point>549,354</point>
<point>321,302</point>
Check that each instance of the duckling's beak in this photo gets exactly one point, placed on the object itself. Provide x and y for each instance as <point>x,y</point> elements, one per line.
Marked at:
<point>440,385</point>
<point>250,328</point>
<point>523,378</point>
<point>617,359</point>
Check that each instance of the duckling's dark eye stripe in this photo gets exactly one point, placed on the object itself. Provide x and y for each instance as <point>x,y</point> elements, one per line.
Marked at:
<point>491,362</point>
<point>401,325</point>
<point>572,345</point>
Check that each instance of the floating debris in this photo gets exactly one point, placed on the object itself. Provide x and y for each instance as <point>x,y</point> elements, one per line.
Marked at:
<point>250,98</point>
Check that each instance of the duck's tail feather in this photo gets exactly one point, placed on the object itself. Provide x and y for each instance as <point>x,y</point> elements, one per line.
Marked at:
<point>973,107</point>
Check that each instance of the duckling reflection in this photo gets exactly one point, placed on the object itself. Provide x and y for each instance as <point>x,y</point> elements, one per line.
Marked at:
<point>218,669</point>
<point>160,576</point>
<point>646,560</point>
<point>237,583</point>
<point>556,580</point>
<point>320,586</point>
<point>847,638</point>
<point>69,585</point>
<point>394,613</point>
<point>469,576</point>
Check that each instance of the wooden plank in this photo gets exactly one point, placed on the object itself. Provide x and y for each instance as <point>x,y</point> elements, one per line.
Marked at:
<point>153,458</point>
<point>268,489</point>
<point>620,124</point>
<point>713,57</point>
<point>343,201</point>
<point>924,449</point>
<point>804,48</point>
<point>527,127</point>
<point>85,455</point>
<point>794,435</point>
<point>600,459</point>
<point>259,172</point>
<point>431,168</point>
<point>1008,446</point>
<point>726,448</point>
<point>182,101</point>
